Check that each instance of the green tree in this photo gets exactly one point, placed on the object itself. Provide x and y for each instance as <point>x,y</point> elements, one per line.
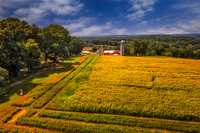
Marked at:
<point>138,47</point>
<point>174,51</point>
<point>94,49</point>
<point>54,41</point>
<point>32,54</point>
<point>76,45</point>
<point>168,54</point>
<point>197,54</point>
<point>12,33</point>
<point>186,53</point>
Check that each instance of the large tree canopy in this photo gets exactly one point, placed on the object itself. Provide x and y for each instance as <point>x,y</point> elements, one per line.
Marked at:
<point>54,40</point>
<point>12,32</point>
<point>76,46</point>
<point>21,44</point>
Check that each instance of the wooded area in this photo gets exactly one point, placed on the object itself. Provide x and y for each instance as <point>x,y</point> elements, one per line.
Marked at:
<point>22,45</point>
<point>152,45</point>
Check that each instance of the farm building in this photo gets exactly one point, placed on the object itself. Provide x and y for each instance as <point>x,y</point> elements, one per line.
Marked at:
<point>85,52</point>
<point>111,52</point>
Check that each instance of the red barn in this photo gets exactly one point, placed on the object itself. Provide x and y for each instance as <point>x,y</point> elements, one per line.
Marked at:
<point>111,52</point>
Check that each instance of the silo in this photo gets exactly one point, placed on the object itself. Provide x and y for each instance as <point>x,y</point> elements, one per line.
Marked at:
<point>122,50</point>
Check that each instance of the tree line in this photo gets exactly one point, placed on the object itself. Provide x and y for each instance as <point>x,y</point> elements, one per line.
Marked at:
<point>22,45</point>
<point>152,45</point>
<point>156,48</point>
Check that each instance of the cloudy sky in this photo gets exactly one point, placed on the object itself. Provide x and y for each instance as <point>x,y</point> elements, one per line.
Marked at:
<point>108,17</point>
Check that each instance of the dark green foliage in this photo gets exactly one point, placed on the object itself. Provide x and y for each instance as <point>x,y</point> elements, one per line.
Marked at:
<point>32,54</point>
<point>94,49</point>
<point>75,46</point>
<point>17,50</point>
<point>137,47</point>
<point>186,53</point>
<point>54,41</point>
<point>12,33</point>
<point>197,54</point>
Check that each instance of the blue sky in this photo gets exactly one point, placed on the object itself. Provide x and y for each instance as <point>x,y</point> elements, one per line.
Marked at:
<point>109,17</point>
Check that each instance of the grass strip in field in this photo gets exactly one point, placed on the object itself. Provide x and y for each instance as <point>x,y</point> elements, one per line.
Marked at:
<point>51,93</point>
<point>70,126</point>
<point>38,91</point>
<point>125,121</point>
<point>6,113</point>
<point>58,103</point>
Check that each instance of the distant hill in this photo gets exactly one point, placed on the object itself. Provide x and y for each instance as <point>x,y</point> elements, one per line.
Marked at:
<point>194,35</point>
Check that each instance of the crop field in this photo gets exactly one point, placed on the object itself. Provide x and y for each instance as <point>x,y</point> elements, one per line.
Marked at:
<point>96,93</point>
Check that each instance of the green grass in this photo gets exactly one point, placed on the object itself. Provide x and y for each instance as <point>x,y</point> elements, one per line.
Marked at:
<point>30,83</point>
<point>69,89</point>
<point>50,94</point>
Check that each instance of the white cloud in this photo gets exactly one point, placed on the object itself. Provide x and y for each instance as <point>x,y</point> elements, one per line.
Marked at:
<point>117,31</point>
<point>62,7</point>
<point>22,12</point>
<point>36,11</point>
<point>78,23</point>
<point>93,30</point>
<point>136,15</point>
<point>192,7</point>
<point>192,26</point>
<point>140,8</point>
<point>143,23</point>
<point>161,30</point>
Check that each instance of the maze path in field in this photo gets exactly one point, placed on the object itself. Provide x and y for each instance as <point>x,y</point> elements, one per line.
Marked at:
<point>14,118</point>
<point>49,95</point>
<point>163,125</point>
<point>68,82</point>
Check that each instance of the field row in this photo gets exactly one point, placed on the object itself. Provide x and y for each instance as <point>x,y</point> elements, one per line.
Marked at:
<point>74,122</point>
<point>89,122</point>
<point>123,120</point>
<point>107,92</point>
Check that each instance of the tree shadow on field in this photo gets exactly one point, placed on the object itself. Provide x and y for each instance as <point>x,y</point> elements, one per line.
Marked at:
<point>28,84</point>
